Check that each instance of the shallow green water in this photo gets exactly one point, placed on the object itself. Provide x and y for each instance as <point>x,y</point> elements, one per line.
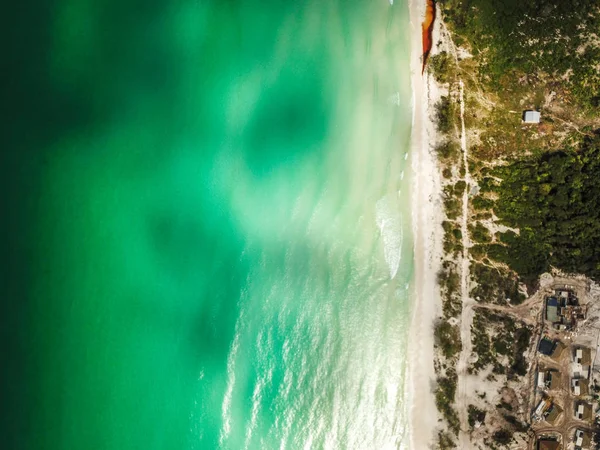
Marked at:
<point>222,250</point>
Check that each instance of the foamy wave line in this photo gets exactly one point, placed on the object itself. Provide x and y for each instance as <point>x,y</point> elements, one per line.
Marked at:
<point>226,406</point>
<point>265,348</point>
<point>389,221</point>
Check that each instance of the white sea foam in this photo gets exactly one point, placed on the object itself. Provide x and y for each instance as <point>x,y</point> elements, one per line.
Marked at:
<point>226,405</point>
<point>389,221</point>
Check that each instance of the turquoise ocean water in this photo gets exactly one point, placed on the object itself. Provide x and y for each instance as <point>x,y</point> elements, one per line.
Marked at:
<point>221,250</point>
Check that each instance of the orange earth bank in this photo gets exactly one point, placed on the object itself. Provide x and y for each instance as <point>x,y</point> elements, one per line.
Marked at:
<point>427,30</point>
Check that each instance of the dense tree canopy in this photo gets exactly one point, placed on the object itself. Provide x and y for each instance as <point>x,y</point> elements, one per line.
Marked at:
<point>554,200</point>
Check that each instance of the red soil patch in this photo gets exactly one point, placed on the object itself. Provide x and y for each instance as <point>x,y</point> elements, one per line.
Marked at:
<point>427,30</point>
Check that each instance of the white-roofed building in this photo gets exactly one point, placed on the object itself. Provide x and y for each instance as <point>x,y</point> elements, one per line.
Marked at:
<point>531,116</point>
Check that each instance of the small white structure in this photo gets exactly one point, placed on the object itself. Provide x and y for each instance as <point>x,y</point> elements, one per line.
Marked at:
<point>579,438</point>
<point>541,409</point>
<point>531,116</point>
<point>541,380</point>
<point>580,410</point>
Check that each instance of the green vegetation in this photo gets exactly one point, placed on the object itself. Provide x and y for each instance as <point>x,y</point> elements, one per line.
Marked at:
<point>456,190</point>
<point>478,252</point>
<point>483,203</point>
<point>517,425</point>
<point>452,246</point>
<point>511,339</point>
<point>504,405</point>
<point>475,415</point>
<point>445,441</point>
<point>448,278</point>
<point>444,398</point>
<point>447,338</point>
<point>461,169</point>
<point>503,437</point>
<point>459,187</point>
<point>488,184</point>
<point>483,215</point>
<point>452,237</point>
<point>554,200</point>
<point>449,282</point>
<point>494,285</point>
<point>519,363</point>
<point>481,343</point>
<point>443,67</point>
<point>536,37</point>
<point>444,115</point>
<point>448,149</point>
<point>479,233</point>
<point>452,206</point>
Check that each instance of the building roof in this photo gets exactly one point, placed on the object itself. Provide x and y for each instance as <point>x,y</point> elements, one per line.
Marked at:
<point>541,379</point>
<point>583,356</point>
<point>553,413</point>
<point>531,116</point>
<point>581,386</point>
<point>552,314</point>
<point>542,407</point>
<point>583,411</point>
<point>552,310</point>
<point>583,438</point>
<point>547,444</point>
<point>546,346</point>
<point>584,386</point>
<point>558,350</point>
<point>555,379</point>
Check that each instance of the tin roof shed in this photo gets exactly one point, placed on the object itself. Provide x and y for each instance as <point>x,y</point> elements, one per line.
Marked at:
<point>531,116</point>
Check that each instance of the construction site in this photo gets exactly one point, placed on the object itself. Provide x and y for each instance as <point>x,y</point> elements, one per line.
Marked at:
<point>566,381</point>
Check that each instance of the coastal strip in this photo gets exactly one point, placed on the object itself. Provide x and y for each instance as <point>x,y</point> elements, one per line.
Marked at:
<point>427,216</point>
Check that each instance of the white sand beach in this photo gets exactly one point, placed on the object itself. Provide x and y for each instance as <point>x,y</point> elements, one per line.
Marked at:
<point>428,238</point>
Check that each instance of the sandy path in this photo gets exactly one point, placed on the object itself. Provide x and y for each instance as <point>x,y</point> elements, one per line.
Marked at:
<point>466,318</point>
<point>427,219</point>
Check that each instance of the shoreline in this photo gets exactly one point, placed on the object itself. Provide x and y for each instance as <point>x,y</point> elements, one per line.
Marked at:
<point>427,216</point>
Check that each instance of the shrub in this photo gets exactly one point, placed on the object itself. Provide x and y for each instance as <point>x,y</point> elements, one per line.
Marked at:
<point>475,415</point>
<point>479,233</point>
<point>459,187</point>
<point>445,441</point>
<point>447,338</point>
<point>448,149</point>
<point>444,115</point>
<point>444,399</point>
<point>503,437</point>
<point>442,67</point>
<point>483,203</point>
